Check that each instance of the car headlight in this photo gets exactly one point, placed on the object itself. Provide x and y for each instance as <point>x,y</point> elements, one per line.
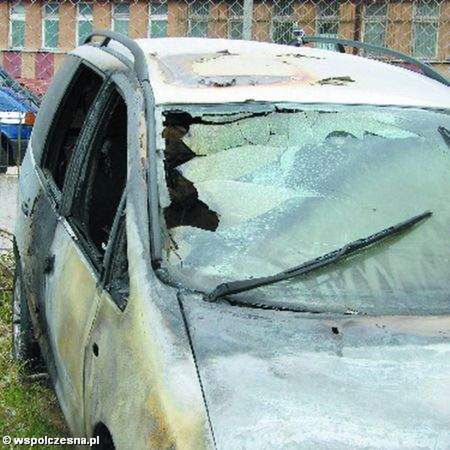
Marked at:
<point>17,118</point>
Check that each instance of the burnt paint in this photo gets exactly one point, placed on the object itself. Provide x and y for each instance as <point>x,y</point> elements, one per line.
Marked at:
<point>32,278</point>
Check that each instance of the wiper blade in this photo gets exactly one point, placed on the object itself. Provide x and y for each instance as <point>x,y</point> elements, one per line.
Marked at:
<point>235,287</point>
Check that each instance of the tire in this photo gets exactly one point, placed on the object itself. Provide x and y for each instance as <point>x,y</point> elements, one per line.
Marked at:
<point>25,348</point>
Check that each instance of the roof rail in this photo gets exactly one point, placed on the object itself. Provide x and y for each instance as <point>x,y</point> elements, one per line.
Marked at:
<point>141,70</point>
<point>301,38</point>
<point>140,65</point>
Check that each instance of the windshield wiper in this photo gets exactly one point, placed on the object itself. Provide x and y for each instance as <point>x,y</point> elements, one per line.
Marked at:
<point>235,287</point>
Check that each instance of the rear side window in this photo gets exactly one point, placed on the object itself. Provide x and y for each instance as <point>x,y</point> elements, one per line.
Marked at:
<point>68,122</point>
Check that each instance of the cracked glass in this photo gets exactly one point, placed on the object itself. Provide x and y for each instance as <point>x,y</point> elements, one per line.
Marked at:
<point>251,193</point>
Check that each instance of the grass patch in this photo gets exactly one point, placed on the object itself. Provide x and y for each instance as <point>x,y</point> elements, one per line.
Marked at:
<point>27,409</point>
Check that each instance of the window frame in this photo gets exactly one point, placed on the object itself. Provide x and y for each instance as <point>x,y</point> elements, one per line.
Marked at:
<point>376,19</point>
<point>194,16</point>
<point>77,173</point>
<point>278,19</point>
<point>120,16</point>
<point>54,17</point>
<point>155,18</point>
<point>52,189</point>
<point>234,19</point>
<point>419,19</point>
<point>16,17</point>
<point>83,18</point>
<point>333,19</point>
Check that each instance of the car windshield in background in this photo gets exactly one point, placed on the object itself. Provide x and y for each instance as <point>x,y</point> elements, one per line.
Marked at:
<point>253,193</point>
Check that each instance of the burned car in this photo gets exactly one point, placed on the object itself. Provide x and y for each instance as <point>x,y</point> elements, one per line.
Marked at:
<point>233,245</point>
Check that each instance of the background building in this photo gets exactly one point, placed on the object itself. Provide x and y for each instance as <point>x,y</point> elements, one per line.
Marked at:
<point>35,34</point>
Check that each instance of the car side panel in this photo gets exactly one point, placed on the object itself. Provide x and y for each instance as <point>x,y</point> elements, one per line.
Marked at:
<point>71,304</point>
<point>58,283</point>
<point>37,212</point>
<point>60,289</point>
<point>35,227</point>
<point>141,378</point>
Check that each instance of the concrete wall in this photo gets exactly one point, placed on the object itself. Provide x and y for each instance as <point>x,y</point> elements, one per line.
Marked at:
<point>8,201</point>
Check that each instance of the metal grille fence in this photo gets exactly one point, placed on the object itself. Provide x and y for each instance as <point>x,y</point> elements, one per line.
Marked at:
<point>35,34</point>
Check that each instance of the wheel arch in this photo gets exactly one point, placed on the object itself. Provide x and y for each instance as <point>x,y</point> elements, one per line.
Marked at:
<point>106,441</point>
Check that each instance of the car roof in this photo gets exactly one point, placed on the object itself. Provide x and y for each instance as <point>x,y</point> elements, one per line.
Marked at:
<point>208,71</point>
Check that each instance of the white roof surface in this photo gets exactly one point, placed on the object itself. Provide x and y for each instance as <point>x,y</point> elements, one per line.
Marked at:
<point>195,70</point>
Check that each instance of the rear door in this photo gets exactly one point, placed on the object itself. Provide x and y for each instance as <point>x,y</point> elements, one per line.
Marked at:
<point>58,128</point>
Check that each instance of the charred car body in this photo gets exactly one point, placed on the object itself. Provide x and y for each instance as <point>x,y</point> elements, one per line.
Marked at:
<point>172,192</point>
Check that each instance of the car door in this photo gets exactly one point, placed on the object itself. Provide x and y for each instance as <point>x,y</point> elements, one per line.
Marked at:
<point>58,128</point>
<point>93,188</point>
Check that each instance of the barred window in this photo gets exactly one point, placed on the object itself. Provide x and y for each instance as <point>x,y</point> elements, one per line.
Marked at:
<point>158,19</point>
<point>327,21</point>
<point>283,22</point>
<point>235,19</point>
<point>425,28</point>
<point>198,18</point>
<point>375,23</point>
<point>84,21</point>
<point>121,18</point>
<point>17,26</point>
<point>51,26</point>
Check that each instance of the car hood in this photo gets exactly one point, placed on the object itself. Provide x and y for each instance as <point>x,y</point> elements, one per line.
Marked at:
<point>279,379</point>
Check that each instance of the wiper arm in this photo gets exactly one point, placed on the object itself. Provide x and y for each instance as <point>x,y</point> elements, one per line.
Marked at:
<point>235,287</point>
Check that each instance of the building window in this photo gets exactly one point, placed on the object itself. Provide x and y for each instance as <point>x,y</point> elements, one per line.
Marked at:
<point>84,21</point>
<point>425,28</point>
<point>50,32</point>
<point>235,19</point>
<point>283,22</point>
<point>158,19</point>
<point>121,18</point>
<point>198,18</point>
<point>327,21</point>
<point>375,23</point>
<point>17,26</point>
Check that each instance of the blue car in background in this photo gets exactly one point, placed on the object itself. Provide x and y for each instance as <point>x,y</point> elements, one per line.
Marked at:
<point>18,108</point>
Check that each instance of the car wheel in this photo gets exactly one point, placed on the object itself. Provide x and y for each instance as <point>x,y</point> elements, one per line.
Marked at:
<point>25,348</point>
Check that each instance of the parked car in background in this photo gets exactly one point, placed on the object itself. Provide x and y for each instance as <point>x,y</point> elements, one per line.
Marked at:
<point>18,109</point>
<point>229,245</point>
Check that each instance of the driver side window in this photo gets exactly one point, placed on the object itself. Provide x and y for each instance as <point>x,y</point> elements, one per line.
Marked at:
<point>102,178</point>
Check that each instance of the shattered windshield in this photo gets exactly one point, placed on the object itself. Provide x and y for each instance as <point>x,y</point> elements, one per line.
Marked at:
<point>250,193</point>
